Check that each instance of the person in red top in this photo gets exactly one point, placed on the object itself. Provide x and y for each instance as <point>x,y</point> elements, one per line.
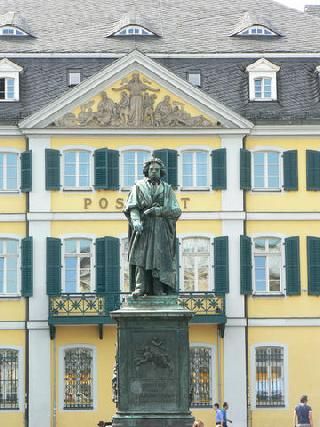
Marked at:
<point>303,413</point>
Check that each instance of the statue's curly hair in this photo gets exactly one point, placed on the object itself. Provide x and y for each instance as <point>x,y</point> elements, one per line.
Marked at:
<point>154,160</point>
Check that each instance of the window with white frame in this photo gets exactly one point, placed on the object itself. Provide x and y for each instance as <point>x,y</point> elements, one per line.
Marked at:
<point>74,77</point>
<point>201,376</point>
<point>269,377</point>
<point>78,263</point>
<point>124,266</point>
<point>76,169</point>
<point>196,264</point>
<point>7,89</point>
<point>9,379</point>
<point>267,265</point>
<point>257,30</point>
<point>132,166</point>
<point>266,170</point>
<point>133,30</point>
<point>8,171</point>
<point>78,378</point>
<point>195,169</point>
<point>263,80</point>
<point>194,77</point>
<point>9,258</point>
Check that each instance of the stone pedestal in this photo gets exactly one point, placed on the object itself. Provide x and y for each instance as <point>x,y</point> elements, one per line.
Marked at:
<point>153,363</point>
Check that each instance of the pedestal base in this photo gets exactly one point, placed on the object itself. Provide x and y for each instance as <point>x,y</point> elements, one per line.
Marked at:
<point>152,421</point>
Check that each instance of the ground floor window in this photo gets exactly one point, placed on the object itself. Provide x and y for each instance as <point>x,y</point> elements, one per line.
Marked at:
<point>78,378</point>
<point>9,379</point>
<point>270,377</point>
<point>201,365</point>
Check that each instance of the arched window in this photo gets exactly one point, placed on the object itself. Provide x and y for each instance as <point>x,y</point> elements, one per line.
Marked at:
<point>267,265</point>
<point>76,169</point>
<point>133,30</point>
<point>196,264</point>
<point>78,265</point>
<point>9,379</point>
<point>266,170</point>
<point>257,30</point>
<point>132,166</point>
<point>269,377</point>
<point>78,378</point>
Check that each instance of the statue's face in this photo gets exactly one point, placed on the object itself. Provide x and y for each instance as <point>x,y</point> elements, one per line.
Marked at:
<point>154,170</point>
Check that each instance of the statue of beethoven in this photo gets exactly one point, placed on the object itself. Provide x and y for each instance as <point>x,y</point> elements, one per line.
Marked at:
<point>152,210</point>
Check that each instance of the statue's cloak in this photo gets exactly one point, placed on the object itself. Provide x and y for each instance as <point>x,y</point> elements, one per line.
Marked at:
<point>155,248</point>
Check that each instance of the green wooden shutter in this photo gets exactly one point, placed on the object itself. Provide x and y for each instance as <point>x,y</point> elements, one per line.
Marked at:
<point>52,169</point>
<point>292,253</point>
<point>106,169</point>
<point>245,265</point>
<point>290,170</point>
<point>53,266</point>
<point>177,264</point>
<point>313,170</point>
<point>221,265</point>
<point>100,266</point>
<point>313,250</point>
<point>112,272</point>
<point>219,169</point>
<point>26,171</point>
<point>170,160</point>
<point>245,169</point>
<point>26,267</point>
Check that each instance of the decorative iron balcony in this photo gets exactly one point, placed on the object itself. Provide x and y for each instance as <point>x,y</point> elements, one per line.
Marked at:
<point>90,308</point>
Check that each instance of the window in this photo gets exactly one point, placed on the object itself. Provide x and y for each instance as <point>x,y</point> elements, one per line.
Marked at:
<point>263,80</point>
<point>266,170</point>
<point>257,30</point>
<point>267,265</point>
<point>11,31</point>
<point>76,169</point>
<point>7,89</point>
<point>74,78</point>
<point>195,169</point>
<point>78,265</point>
<point>132,166</point>
<point>78,378</point>
<point>194,78</point>
<point>9,383</point>
<point>269,377</point>
<point>9,266</point>
<point>133,30</point>
<point>200,369</point>
<point>196,264</point>
<point>8,171</point>
<point>124,266</point>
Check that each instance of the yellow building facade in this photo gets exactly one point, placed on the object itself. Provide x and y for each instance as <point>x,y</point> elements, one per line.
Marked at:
<point>247,245</point>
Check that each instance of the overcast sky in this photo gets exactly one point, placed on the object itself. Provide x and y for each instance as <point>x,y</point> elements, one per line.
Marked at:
<point>298,4</point>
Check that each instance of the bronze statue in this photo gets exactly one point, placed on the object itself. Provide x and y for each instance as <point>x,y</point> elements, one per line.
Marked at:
<point>152,210</point>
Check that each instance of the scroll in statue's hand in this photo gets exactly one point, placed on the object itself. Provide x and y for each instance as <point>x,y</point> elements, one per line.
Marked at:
<point>155,211</point>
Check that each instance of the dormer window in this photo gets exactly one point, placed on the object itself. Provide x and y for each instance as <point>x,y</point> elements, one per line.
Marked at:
<point>11,31</point>
<point>263,80</point>
<point>9,80</point>
<point>257,30</point>
<point>133,30</point>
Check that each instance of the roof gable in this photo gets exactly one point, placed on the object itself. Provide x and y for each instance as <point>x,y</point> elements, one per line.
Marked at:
<point>9,66</point>
<point>263,65</point>
<point>136,92</point>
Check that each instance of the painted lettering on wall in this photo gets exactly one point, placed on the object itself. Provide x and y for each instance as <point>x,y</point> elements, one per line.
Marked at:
<point>103,203</point>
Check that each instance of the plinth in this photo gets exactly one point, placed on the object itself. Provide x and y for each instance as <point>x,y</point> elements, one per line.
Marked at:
<point>153,378</point>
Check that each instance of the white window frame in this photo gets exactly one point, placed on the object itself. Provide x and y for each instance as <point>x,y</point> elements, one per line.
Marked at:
<point>253,375</point>
<point>251,31</point>
<point>137,30</point>
<point>194,73</point>
<point>17,32</point>
<point>92,263</point>
<point>122,153</point>
<point>282,264</point>
<point>213,375</point>
<point>20,379</point>
<point>78,149</point>
<point>182,237</point>
<point>267,150</point>
<point>10,70</point>
<point>4,150</point>
<point>61,377</point>
<point>263,88</point>
<point>70,72</point>
<point>259,70</point>
<point>193,150</point>
<point>18,240</point>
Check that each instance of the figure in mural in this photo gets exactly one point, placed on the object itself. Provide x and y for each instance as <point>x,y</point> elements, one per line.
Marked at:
<point>152,210</point>
<point>105,110</point>
<point>148,103</point>
<point>163,112</point>
<point>124,108</point>
<point>136,89</point>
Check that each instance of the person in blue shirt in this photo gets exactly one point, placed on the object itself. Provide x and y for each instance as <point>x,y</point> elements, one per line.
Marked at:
<point>219,415</point>
<point>225,408</point>
<point>303,413</point>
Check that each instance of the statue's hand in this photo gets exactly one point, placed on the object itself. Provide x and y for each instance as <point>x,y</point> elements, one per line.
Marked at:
<point>155,211</point>
<point>137,226</point>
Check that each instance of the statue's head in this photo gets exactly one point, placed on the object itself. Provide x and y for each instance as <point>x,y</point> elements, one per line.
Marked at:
<point>135,77</point>
<point>154,168</point>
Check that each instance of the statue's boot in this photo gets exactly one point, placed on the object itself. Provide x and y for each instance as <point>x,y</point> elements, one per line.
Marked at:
<point>140,283</point>
<point>138,292</point>
<point>158,288</point>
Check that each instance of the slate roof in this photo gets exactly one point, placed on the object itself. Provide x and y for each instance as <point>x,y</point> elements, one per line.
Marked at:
<point>15,19</point>
<point>249,19</point>
<point>186,26</point>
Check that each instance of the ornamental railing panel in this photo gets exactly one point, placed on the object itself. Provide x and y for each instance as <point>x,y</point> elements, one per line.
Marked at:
<point>74,305</point>
<point>203,303</point>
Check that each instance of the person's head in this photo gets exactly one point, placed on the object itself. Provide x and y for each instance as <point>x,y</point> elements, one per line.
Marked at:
<point>154,168</point>
<point>304,398</point>
<point>225,405</point>
<point>216,406</point>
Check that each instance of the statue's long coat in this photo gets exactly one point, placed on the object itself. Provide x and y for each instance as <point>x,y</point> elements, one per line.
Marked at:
<point>155,248</point>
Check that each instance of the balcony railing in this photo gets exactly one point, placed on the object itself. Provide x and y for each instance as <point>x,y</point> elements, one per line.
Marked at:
<point>89,308</point>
